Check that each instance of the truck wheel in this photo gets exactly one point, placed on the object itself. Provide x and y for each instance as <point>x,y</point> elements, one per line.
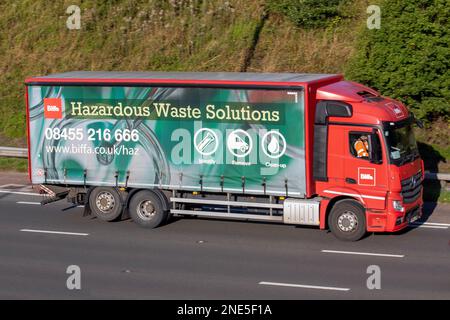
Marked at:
<point>347,220</point>
<point>105,203</point>
<point>147,210</point>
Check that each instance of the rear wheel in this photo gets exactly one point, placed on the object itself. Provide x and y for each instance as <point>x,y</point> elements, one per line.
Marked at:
<point>105,203</point>
<point>347,220</point>
<point>146,209</point>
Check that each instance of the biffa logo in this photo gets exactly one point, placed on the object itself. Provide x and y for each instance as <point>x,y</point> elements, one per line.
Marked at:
<point>52,108</point>
<point>366,176</point>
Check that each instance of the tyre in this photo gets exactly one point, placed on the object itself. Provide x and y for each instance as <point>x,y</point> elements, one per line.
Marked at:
<point>347,220</point>
<point>146,209</point>
<point>105,203</point>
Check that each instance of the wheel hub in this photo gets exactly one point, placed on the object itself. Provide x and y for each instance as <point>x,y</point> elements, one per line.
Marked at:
<point>348,221</point>
<point>105,201</point>
<point>146,210</point>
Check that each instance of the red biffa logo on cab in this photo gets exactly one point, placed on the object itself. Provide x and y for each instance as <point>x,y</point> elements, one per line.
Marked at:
<point>52,108</point>
<point>396,110</point>
<point>366,176</point>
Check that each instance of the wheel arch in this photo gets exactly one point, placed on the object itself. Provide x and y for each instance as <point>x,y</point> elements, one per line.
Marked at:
<point>332,202</point>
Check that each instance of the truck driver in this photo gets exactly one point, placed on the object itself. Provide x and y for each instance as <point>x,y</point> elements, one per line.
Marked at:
<point>361,146</point>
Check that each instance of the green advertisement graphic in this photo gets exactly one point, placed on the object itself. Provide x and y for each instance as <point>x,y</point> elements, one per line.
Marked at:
<point>231,139</point>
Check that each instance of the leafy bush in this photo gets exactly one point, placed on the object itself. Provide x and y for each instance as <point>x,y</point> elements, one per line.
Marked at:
<point>307,13</point>
<point>408,58</point>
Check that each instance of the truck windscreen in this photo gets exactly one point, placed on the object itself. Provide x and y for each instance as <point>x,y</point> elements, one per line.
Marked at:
<point>401,143</point>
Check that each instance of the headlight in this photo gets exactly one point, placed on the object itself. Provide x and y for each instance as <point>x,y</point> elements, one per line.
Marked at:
<point>398,205</point>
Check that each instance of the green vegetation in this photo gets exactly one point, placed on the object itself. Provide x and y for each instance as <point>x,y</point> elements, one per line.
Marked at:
<point>408,58</point>
<point>308,13</point>
<point>117,35</point>
<point>13,164</point>
<point>139,35</point>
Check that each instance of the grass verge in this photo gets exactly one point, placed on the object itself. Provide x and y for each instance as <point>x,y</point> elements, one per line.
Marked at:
<point>13,164</point>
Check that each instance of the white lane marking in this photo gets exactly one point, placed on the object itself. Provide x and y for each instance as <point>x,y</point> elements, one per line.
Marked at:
<point>55,232</point>
<point>355,195</point>
<point>418,225</point>
<point>22,193</point>
<point>437,224</point>
<point>365,253</point>
<point>306,286</point>
<point>28,202</point>
<point>434,224</point>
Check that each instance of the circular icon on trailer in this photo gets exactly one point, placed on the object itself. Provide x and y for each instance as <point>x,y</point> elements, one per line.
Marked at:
<point>206,141</point>
<point>273,144</point>
<point>239,143</point>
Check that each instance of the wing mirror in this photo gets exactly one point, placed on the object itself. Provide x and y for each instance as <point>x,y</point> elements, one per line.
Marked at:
<point>418,121</point>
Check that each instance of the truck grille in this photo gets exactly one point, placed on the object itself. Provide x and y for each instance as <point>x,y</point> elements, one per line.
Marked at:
<point>411,188</point>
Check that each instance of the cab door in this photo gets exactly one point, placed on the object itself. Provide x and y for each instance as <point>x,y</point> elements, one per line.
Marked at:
<point>368,178</point>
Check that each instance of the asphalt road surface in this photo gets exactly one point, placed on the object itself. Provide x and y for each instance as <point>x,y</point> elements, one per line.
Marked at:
<point>209,259</point>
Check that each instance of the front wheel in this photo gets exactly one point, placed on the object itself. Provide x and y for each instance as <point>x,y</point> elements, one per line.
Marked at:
<point>347,220</point>
<point>146,209</point>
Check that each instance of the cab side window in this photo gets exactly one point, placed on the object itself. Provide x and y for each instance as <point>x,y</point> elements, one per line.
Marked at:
<point>359,145</point>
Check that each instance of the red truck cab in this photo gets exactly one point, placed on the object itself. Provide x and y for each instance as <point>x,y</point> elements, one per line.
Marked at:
<point>387,182</point>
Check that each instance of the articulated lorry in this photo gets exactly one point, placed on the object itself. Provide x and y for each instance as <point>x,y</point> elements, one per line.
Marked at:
<point>300,149</point>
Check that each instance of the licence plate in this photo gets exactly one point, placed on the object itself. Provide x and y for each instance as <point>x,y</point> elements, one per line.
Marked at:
<point>415,216</point>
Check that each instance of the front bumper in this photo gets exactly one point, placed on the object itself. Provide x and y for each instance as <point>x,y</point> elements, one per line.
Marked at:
<point>392,220</point>
<point>410,216</point>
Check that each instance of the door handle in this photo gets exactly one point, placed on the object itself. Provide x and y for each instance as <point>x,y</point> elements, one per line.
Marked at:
<point>350,180</point>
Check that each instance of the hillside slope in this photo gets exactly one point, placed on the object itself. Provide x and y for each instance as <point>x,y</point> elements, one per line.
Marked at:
<point>152,35</point>
<point>213,35</point>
